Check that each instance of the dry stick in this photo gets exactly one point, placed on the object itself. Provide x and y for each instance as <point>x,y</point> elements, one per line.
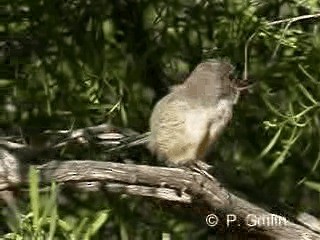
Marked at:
<point>170,184</point>
<point>149,181</point>
<point>163,183</point>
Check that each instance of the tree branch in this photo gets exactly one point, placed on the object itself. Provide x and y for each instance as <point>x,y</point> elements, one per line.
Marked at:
<point>170,184</point>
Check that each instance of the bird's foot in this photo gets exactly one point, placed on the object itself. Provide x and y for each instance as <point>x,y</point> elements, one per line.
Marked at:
<point>202,168</point>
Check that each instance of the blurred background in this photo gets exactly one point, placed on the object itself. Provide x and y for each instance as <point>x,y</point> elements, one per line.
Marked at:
<point>80,63</point>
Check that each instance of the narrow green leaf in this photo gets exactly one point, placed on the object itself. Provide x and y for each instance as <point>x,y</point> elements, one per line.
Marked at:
<point>271,143</point>
<point>50,211</point>
<point>53,222</point>
<point>80,227</point>
<point>313,185</point>
<point>100,219</point>
<point>6,82</point>
<point>50,203</point>
<point>272,108</point>
<point>123,232</point>
<point>307,94</point>
<point>34,195</point>
<point>312,79</point>
<point>285,151</point>
<point>124,116</point>
<point>65,225</point>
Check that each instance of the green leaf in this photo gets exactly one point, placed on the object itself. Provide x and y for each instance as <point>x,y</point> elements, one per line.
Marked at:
<point>289,143</point>
<point>313,185</point>
<point>34,195</point>
<point>6,82</point>
<point>65,225</point>
<point>101,218</point>
<point>271,143</point>
<point>307,94</point>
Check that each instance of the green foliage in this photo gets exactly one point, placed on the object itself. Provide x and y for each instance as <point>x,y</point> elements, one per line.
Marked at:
<point>72,64</point>
<point>44,222</point>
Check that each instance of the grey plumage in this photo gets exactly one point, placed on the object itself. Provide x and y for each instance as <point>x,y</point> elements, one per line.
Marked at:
<point>190,118</point>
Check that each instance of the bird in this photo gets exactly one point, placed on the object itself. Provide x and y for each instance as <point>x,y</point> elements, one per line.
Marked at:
<point>190,118</point>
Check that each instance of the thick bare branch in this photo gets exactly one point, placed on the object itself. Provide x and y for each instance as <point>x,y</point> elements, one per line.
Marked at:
<point>170,184</point>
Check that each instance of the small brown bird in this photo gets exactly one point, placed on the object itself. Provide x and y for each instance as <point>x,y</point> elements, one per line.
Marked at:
<point>191,117</point>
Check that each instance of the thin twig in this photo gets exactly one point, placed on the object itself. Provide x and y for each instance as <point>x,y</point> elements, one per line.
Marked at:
<point>294,19</point>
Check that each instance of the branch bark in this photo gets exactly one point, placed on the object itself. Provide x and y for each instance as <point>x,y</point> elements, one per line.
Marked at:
<point>170,184</point>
